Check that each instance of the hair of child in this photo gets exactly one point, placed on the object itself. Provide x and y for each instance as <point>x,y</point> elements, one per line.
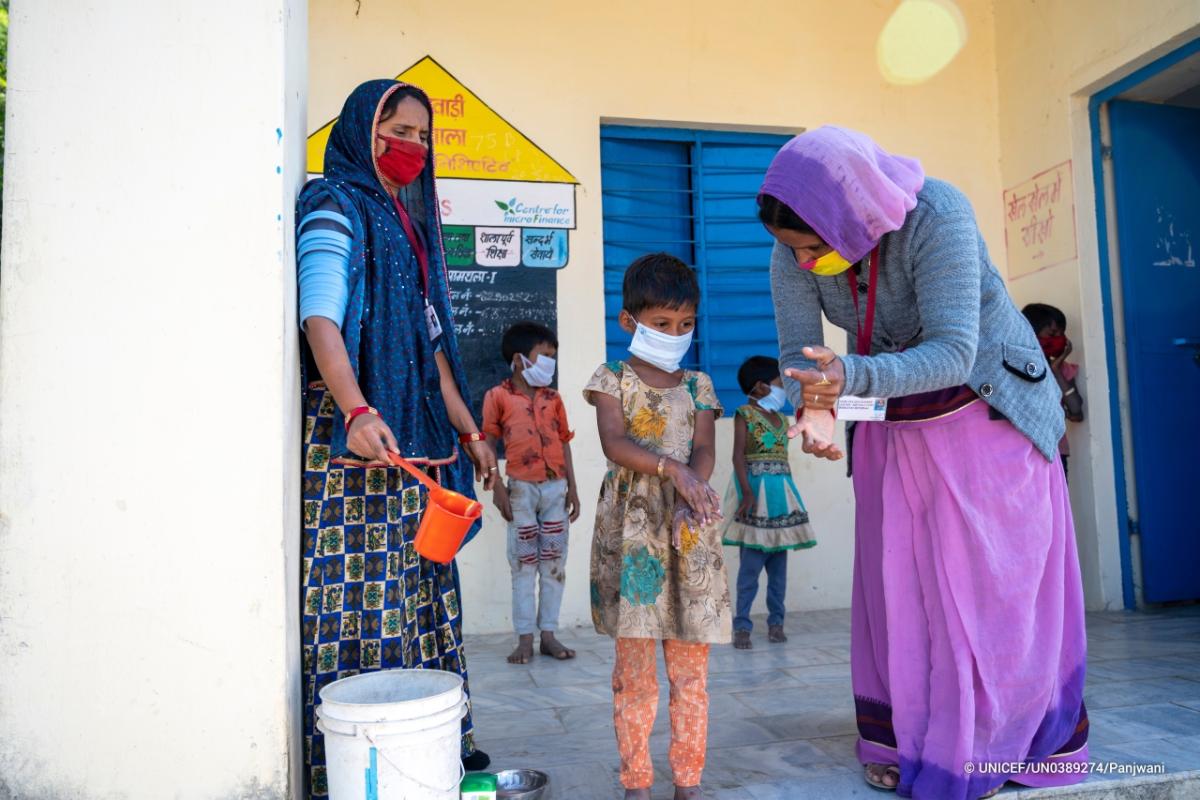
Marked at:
<point>755,369</point>
<point>523,337</point>
<point>659,280</point>
<point>1041,315</point>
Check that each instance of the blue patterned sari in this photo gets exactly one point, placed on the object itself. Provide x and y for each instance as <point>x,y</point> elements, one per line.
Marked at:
<point>369,601</point>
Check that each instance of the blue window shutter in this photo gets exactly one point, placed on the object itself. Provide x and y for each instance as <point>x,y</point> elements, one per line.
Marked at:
<point>647,207</point>
<point>692,194</point>
<point>739,318</point>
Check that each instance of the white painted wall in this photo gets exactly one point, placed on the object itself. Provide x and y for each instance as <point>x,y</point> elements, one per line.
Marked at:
<point>149,531</point>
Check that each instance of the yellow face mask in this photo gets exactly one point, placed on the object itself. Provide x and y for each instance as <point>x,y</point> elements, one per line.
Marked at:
<point>831,263</point>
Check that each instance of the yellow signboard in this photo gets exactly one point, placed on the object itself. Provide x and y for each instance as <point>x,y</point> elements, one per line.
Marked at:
<point>470,139</point>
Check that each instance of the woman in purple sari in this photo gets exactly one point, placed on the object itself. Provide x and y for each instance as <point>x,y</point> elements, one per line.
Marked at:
<point>968,647</point>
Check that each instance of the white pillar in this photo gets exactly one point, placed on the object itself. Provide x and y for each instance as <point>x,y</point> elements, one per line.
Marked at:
<point>149,413</point>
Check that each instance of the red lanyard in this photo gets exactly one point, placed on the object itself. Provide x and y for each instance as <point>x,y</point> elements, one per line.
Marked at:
<point>867,326</point>
<point>417,246</point>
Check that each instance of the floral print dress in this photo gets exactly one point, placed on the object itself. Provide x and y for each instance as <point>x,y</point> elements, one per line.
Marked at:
<point>641,586</point>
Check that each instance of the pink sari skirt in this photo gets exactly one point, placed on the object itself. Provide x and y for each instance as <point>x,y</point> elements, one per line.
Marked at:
<point>968,647</point>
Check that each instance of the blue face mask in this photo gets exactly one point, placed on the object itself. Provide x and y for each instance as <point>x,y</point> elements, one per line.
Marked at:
<point>774,401</point>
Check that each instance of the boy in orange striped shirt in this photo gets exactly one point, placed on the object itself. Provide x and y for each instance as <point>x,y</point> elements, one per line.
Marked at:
<point>540,500</point>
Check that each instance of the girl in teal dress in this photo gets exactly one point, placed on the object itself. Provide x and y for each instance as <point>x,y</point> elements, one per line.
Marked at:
<point>770,519</point>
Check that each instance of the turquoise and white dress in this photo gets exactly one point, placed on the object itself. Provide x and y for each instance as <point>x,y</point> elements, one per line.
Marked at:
<point>778,519</point>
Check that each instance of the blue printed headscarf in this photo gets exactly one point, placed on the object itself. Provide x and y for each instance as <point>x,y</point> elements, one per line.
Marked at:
<point>384,328</point>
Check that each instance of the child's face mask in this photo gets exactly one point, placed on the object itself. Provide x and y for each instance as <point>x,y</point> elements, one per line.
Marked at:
<point>539,372</point>
<point>1053,346</point>
<point>660,349</point>
<point>774,400</point>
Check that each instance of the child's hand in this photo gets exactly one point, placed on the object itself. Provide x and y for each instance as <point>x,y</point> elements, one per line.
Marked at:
<point>503,504</point>
<point>745,506</point>
<point>695,491</point>
<point>1057,363</point>
<point>572,503</point>
<point>815,429</point>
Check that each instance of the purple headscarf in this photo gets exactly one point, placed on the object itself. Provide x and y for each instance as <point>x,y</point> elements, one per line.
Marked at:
<point>845,187</point>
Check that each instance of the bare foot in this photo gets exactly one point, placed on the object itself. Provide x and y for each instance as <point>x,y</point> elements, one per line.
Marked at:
<point>741,640</point>
<point>637,794</point>
<point>687,793</point>
<point>553,647</point>
<point>775,634</point>
<point>883,776</point>
<point>524,652</point>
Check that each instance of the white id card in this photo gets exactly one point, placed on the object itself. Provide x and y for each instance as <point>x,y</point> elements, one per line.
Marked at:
<point>862,409</point>
<point>432,324</point>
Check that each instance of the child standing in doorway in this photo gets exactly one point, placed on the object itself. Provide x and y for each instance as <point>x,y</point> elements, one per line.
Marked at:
<point>540,500</point>
<point>1050,325</point>
<point>657,571</point>
<point>770,519</point>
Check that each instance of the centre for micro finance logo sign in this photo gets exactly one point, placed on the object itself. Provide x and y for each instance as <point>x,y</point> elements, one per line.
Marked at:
<point>517,213</point>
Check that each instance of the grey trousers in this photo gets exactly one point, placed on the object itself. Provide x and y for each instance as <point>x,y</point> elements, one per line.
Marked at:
<point>537,552</point>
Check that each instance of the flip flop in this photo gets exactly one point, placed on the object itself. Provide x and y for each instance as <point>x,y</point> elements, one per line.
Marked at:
<point>877,783</point>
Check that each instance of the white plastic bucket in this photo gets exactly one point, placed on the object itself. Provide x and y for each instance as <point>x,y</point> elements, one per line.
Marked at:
<point>393,735</point>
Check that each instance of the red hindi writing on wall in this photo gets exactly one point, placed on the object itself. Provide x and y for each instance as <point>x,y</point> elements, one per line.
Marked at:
<point>1039,221</point>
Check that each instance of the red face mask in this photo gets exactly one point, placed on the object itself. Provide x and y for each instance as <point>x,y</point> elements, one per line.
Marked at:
<point>402,161</point>
<point>1053,346</point>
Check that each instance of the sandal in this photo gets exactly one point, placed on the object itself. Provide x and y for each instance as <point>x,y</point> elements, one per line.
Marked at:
<point>741,640</point>
<point>877,779</point>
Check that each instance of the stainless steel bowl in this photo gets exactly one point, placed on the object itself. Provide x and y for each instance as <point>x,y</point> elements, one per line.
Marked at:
<point>522,784</point>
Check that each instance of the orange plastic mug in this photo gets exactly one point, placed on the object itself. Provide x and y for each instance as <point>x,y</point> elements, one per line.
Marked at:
<point>447,518</point>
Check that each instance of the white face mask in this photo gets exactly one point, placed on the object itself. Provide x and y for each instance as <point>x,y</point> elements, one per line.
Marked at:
<point>775,401</point>
<point>660,349</point>
<point>539,372</point>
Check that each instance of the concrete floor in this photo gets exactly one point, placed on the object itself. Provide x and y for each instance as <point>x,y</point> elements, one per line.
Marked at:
<point>782,721</point>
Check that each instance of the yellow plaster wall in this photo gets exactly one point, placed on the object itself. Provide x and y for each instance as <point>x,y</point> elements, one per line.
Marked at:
<point>557,71</point>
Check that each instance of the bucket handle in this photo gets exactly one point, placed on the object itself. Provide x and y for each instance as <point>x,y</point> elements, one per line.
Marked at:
<point>406,465</point>
<point>462,771</point>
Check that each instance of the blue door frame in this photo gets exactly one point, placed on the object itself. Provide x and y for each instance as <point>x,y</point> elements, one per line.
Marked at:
<point>1106,293</point>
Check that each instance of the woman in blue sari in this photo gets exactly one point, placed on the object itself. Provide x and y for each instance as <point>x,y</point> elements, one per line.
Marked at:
<point>382,374</point>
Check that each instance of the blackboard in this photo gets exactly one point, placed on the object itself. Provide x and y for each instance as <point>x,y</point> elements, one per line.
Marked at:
<point>486,302</point>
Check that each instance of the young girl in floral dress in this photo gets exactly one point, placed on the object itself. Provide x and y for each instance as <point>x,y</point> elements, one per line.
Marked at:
<point>657,571</point>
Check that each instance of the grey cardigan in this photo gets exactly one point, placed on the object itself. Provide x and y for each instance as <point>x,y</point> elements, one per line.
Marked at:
<point>943,318</point>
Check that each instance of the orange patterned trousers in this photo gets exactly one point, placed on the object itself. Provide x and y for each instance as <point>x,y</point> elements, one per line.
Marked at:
<point>635,704</point>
